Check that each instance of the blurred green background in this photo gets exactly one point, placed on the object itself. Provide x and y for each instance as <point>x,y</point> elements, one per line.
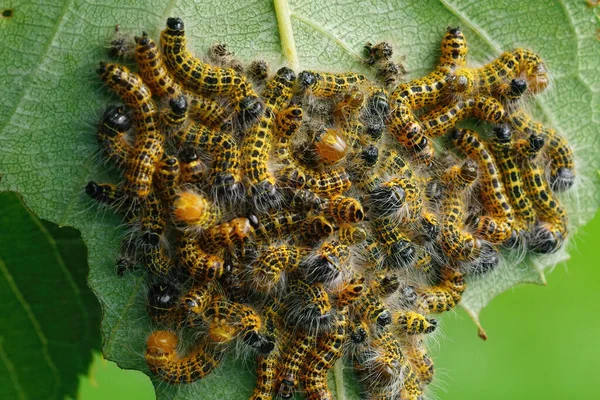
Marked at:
<point>541,342</point>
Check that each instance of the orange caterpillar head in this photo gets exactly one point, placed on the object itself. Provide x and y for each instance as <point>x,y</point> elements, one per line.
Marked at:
<point>160,347</point>
<point>331,146</point>
<point>193,209</point>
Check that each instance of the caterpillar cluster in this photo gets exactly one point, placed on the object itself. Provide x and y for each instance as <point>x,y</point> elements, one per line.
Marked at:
<point>308,218</point>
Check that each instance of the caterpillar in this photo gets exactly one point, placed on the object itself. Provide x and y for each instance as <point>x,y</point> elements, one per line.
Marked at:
<point>309,306</point>
<point>551,231</point>
<point>256,145</point>
<point>497,227</point>
<point>152,68</point>
<point>442,118</point>
<point>288,369</point>
<point>397,246</point>
<point>225,177</point>
<point>445,295</point>
<point>329,348</point>
<point>321,84</point>
<point>148,146</point>
<point>201,78</point>
<point>370,308</point>
<point>209,112</point>
<point>345,209</point>
<point>506,159</point>
<point>412,323</point>
<point>164,362</point>
<point>268,269</point>
<point>173,118</point>
<point>228,320</point>
<point>491,77</point>
<point>562,164</point>
<point>195,262</point>
<point>408,131</point>
<point>456,242</point>
<point>191,169</point>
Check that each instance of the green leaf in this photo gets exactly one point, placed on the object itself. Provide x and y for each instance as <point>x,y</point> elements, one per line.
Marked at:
<point>50,316</point>
<point>50,99</point>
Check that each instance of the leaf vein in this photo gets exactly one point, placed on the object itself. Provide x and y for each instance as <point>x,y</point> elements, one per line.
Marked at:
<point>11,371</point>
<point>36,325</point>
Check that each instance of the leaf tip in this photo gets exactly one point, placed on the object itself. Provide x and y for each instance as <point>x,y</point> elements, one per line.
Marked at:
<point>481,333</point>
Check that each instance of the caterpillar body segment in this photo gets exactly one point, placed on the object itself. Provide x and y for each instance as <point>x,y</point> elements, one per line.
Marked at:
<point>445,295</point>
<point>492,77</point>
<point>115,122</point>
<point>153,70</point>
<point>398,248</point>
<point>455,240</point>
<point>424,91</point>
<point>228,320</point>
<point>174,117</point>
<point>131,88</point>
<point>506,159</point>
<point>562,161</point>
<point>345,209</point>
<point>551,230</point>
<point>192,168</point>
<point>310,308</point>
<point>266,364</point>
<point>287,124</point>
<point>371,309</point>
<point>412,323</point>
<point>209,112</point>
<point>196,263</point>
<point>204,78</point>
<point>197,300</point>
<point>268,269</point>
<point>329,348</point>
<point>233,234</point>
<point>533,69</point>
<point>225,175</point>
<point>256,145</point>
<point>164,307</point>
<point>322,84</point>
<point>408,131</point>
<point>164,362</point>
<point>288,369</point>
<point>279,90</point>
<point>497,225</point>
<point>265,376</point>
<point>442,118</point>
<point>454,49</point>
<point>108,194</point>
<point>327,183</point>
<point>148,146</point>
<point>327,263</point>
<point>168,178</point>
<point>560,155</point>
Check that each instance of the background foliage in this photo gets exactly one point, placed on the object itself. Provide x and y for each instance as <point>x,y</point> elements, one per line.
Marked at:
<point>50,97</point>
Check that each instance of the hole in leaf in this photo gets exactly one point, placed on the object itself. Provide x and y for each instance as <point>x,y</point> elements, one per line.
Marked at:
<point>8,13</point>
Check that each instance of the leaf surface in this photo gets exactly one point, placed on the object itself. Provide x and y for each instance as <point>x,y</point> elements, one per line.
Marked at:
<point>50,100</point>
<point>50,316</point>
